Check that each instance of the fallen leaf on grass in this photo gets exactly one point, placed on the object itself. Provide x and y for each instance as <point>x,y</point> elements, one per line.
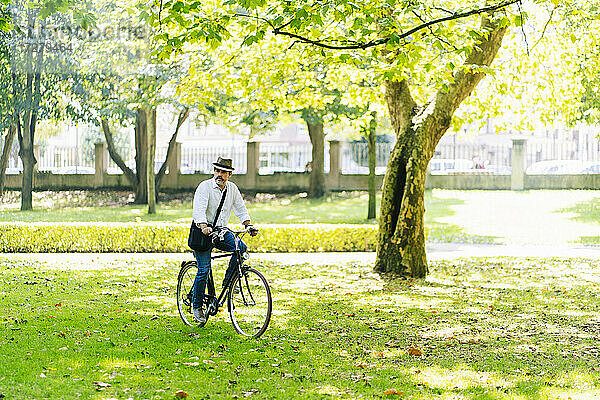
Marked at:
<point>101,385</point>
<point>250,392</point>
<point>192,364</point>
<point>181,394</point>
<point>363,365</point>
<point>391,392</point>
<point>413,351</point>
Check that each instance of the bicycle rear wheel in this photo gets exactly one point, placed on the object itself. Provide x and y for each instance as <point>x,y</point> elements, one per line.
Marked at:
<point>249,303</point>
<point>185,288</point>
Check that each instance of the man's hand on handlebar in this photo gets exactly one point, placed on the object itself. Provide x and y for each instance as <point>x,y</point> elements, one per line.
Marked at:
<point>252,230</point>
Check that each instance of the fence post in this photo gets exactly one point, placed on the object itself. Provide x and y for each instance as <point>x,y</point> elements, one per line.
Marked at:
<point>517,179</point>
<point>100,162</point>
<point>174,166</point>
<point>335,168</point>
<point>252,163</point>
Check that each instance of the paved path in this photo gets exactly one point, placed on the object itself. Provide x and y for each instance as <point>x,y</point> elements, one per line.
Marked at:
<point>435,252</point>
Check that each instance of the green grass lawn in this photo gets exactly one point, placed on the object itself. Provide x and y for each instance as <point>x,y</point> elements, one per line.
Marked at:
<point>337,208</point>
<point>548,217</point>
<point>105,327</point>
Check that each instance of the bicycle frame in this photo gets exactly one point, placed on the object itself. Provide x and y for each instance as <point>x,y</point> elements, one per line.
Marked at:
<point>210,281</point>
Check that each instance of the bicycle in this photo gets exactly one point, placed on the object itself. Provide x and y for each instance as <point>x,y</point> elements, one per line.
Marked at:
<point>248,294</point>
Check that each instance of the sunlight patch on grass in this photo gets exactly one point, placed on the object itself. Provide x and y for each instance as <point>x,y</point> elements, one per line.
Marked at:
<point>112,363</point>
<point>558,393</point>
<point>331,390</point>
<point>408,301</point>
<point>463,377</point>
<point>446,332</point>
<point>573,385</point>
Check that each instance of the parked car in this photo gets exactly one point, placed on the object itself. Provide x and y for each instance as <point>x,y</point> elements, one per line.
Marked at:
<point>186,168</point>
<point>13,171</point>
<point>591,168</point>
<point>353,168</point>
<point>496,169</point>
<point>74,170</point>
<point>555,167</point>
<point>443,166</point>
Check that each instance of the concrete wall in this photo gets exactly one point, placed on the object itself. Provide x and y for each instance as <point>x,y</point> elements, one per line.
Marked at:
<point>297,182</point>
<point>480,182</point>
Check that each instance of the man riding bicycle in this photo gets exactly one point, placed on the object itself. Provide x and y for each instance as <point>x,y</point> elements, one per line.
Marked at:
<point>217,196</point>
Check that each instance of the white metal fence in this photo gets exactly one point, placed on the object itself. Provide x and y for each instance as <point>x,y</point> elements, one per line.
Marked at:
<point>287,157</point>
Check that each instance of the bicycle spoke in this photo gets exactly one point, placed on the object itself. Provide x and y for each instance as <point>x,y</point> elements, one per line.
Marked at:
<point>249,303</point>
<point>185,285</point>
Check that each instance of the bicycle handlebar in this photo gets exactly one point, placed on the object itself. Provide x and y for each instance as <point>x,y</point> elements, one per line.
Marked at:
<point>217,231</point>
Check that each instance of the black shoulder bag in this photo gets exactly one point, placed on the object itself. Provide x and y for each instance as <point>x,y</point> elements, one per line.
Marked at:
<point>197,240</point>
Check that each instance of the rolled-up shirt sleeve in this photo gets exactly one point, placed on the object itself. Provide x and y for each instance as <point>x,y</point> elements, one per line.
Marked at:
<point>238,206</point>
<point>200,204</point>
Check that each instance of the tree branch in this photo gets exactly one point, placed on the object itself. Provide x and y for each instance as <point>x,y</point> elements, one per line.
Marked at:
<point>129,174</point>
<point>378,42</point>
<point>171,149</point>
<point>545,28</point>
<point>441,39</point>
<point>398,97</point>
<point>465,80</point>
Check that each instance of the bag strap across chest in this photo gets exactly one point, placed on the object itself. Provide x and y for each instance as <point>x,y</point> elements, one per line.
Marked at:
<point>220,207</point>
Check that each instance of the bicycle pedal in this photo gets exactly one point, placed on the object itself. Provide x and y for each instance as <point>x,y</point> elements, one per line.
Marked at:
<point>212,310</point>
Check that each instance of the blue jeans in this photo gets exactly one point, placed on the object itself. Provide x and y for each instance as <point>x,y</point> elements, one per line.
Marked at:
<point>203,261</point>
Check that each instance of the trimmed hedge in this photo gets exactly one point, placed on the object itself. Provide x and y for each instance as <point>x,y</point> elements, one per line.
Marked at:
<point>172,238</point>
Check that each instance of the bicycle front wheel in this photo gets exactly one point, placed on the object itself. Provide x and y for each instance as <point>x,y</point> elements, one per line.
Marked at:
<point>185,291</point>
<point>249,303</point>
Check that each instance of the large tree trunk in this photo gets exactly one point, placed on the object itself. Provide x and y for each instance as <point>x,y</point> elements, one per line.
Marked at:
<point>141,156</point>
<point>150,113</point>
<point>26,138</point>
<point>28,158</point>
<point>8,143</point>
<point>372,140</point>
<point>317,175</point>
<point>401,239</point>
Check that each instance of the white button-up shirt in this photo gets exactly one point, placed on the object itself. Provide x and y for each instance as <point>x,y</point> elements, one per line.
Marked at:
<point>207,198</point>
